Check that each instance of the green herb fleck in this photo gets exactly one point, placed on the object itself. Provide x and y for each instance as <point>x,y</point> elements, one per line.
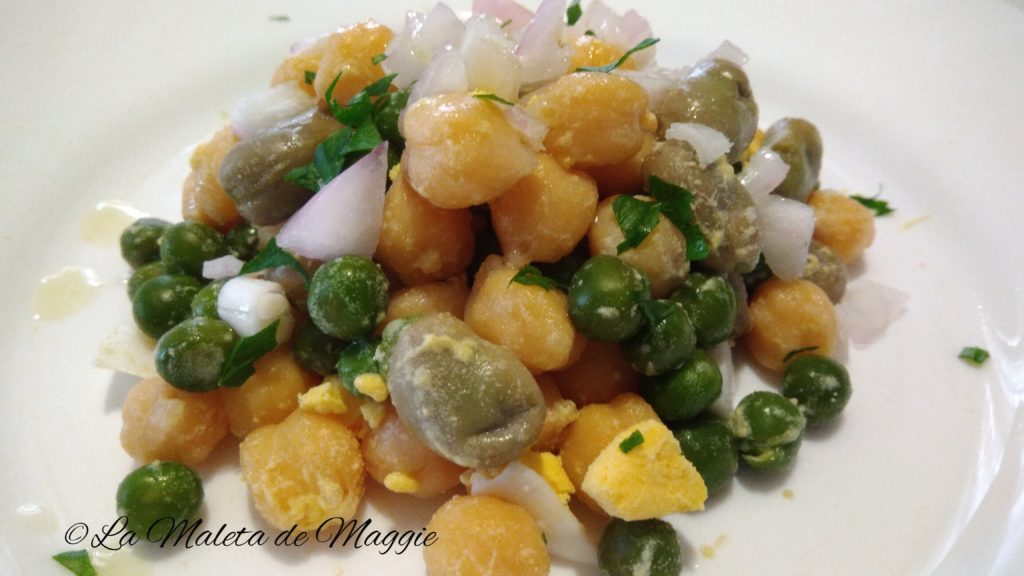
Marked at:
<point>77,562</point>
<point>532,276</point>
<point>637,219</point>
<point>239,364</point>
<point>632,441</point>
<point>506,23</point>
<point>279,18</point>
<point>974,355</point>
<point>879,207</point>
<point>492,97</point>
<point>544,537</point>
<point>273,256</point>
<point>676,205</point>
<point>310,76</point>
<point>589,33</point>
<point>379,58</point>
<point>789,356</point>
<point>573,13</point>
<point>642,45</point>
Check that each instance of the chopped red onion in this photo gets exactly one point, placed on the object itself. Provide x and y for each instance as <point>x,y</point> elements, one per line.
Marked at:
<point>503,11</point>
<point>540,48</point>
<point>786,229</point>
<point>445,73</point>
<point>412,49</point>
<point>223,267</point>
<point>490,59</point>
<point>532,129</point>
<point>655,81</point>
<point>626,30</point>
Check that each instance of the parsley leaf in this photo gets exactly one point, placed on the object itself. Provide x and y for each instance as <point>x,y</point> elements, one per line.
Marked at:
<point>879,207</point>
<point>77,562</point>
<point>492,97</point>
<point>589,33</point>
<point>309,76</point>
<point>532,276</point>
<point>676,205</point>
<point>359,107</point>
<point>792,353</point>
<point>280,18</point>
<point>573,13</point>
<point>389,108</point>
<point>632,441</point>
<point>974,355</point>
<point>239,364</point>
<point>377,59</point>
<point>506,23</point>
<point>273,256</point>
<point>637,219</point>
<point>339,151</point>
<point>642,45</point>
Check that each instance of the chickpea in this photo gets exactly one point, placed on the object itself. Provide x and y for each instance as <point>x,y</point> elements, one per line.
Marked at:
<point>625,177</point>
<point>530,320</point>
<point>592,51</point>
<point>560,413</point>
<point>420,242</point>
<point>269,395</point>
<point>842,224</point>
<point>448,296</point>
<point>600,374</point>
<point>400,461</point>
<point>303,471</point>
<point>295,67</point>
<point>787,316</point>
<point>350,52</point>
<point>661,256</point>
<point>596,426</point>
<point>482,535</point>
<point>546,214</point>
<point>461,151</point>
<point>161,422</point>
<point>203,199</point>
<point>593,119</point>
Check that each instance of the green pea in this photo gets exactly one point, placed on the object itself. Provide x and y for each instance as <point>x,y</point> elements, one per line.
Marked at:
<point>606,298</point>
<point>820,386</point>
<point>357,359</point>
<point>186,245</point>
<point>684,393</point>
<point>243,241</point>
<point>162,302</point>
<point>649,547</point>
<point>710,446</point>
<point>157,496</point>
<point>191,355</point>
<point>664,343</point>
<point>142,274</point>
<point>316,351</point>
<point>774,459</point>
<point>711,304</point>
<point>768,428</point>
<point>205,301</point>
<point>347,297</point>
<point>140,242</point>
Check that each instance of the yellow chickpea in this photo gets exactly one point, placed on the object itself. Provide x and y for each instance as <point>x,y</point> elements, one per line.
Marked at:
<point>484,536</point>
<point>661,256</point>
<point>295,67</point>
<point>787,316</point>
<point>596,426</point>
<point>303,471</point>
<point>350,52</point>
<point>421,242</point>
<point>600,374</point>
<point>624,177</point>
<point>461,151</point>
<point>546,214</point>
<point>592,51</point>
<point>560,413</point>
<point>448,296</point>
<point>269,395</point>
<point>203,199</point>
<point>533,322</point>
<point>400,461</point>
<point>842,224</point>
<point>593,119</point>
<point>160,422</point>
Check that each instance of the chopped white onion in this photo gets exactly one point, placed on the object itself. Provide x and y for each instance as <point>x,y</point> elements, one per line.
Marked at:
<point>412,49</point>
<point>626,30</point>
<point>655,81</point>
<point>223,267</point>
<point>345,216</point>
<point>267,108</point>
<point>540,49</point>
<point>490,60</point>
<point>445,73</point>
<point>503,11</point>
<point>868,309</point>
<point>532,129</point>
<point>249,305</point>
<point>765,171</point>
<point>721,353</point>
<point>786,229</point>
<point>730,53</point>
<point>519,484</point>
<point>710,144</point>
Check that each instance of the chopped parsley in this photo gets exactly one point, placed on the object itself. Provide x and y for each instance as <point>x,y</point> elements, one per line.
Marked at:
<point>637,218</point>
<point>573,13</point>
<point>310,76</point>
<point>506,23</point>
<point>279,18</point>
<point>272,256</point>
<point>532,276</point>
<point>77,562</point>
<point>879,207</point>
<point>379,58</point>
<point>642,45</point>
<point>974,355</point>
<point>589,33</point>
<point>239,364</point>
<point>789,356</point>
<point>492,97</point>
<point>632,441</point>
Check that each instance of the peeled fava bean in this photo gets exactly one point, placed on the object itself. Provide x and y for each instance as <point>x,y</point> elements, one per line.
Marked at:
<point>470,401</point>
<point>717,94</point>
<point>826,270</point>
<point>253,171</point>
<point>798,143</point>
<point>722,207</point>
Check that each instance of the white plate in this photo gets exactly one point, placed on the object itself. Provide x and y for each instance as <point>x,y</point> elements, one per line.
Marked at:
<point>100,100</point>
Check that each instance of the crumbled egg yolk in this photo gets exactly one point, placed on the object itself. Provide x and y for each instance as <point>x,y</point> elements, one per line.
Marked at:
<point>332,399</point>
<point>372,385</point>
<point>549,467</point>
<point>401,483</point>
<point>373,413</point>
